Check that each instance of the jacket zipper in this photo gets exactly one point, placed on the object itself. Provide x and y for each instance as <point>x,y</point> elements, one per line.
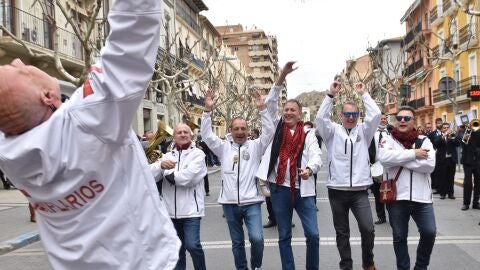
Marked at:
<point>330,170</point>
<point>238,175</point>
<point>351,162</point>
<point>411,184</point>
<point>195,197</point>
<point>175,188</point>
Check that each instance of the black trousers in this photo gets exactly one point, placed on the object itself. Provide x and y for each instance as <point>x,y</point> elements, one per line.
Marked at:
<point>468,184</point>
<point>445,177</point>
<point>379,207</point>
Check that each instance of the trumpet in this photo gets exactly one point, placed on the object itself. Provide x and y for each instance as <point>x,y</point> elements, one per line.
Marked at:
<point>473,126</point>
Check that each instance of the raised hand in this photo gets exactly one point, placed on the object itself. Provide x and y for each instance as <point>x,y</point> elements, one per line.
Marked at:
<point>259,100</point>
<point>360,87</point>
<point>208,101</point>
<point>287,69</point>
<point>335,88</point>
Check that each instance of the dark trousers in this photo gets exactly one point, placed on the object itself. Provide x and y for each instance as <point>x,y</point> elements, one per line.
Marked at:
<point>341,203</point>
<point>468,184</point>
<point>445,177</point>
<point>271,214</point>
<point>379,207</point>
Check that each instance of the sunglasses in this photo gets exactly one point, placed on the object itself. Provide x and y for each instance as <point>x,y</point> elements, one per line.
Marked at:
<point>350,114</point>
<point>406,118</point>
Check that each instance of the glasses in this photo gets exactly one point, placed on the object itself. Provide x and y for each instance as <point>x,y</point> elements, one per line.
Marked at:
<point>406,118</point>
<point>350,114</point>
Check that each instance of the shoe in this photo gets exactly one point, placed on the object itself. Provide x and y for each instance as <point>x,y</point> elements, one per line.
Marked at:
<point>475,206</point>
<point>442,197</point>
<point>316,208</point>
<point>380,221</point>
<point>451,197</point>
<point>293,225</point>
<point>371,267</point>
<point>207,194</point>
<point>269,224</point>
<point>464,207</point>
<point>6,184</point>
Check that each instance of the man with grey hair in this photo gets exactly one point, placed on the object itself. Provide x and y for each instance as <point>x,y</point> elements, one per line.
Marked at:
<point>349,170</point>
<point>80,164</point>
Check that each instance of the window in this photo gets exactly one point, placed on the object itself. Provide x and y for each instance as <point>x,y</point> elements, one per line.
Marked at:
<point>472,68</point>
<point>474,111</point>
<point>441,43</point>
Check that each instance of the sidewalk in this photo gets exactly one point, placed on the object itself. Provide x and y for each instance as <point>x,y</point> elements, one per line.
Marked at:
<point>17,230</point>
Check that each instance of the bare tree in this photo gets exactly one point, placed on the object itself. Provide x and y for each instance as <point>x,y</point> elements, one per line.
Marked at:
<point>82,26</point>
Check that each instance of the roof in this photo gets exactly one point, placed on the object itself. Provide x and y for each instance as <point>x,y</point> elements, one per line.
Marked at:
<point>410,10</point>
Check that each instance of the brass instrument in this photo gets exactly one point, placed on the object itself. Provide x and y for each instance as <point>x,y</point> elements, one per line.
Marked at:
<point>152,152</point>
<point>473,126</point>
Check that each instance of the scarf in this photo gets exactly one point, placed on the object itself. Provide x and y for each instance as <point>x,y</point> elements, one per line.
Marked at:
<point>289,150</point>
<point>182,147</point>
<point>406,139</point>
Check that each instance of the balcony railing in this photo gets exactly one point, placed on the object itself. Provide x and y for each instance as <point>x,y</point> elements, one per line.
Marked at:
<point>197,62</point>
<point>412,68</point>
<point>188,19</point>
<point>194,100</point>
<point>447,4</point>
<point>412,34</point>
<point>34,30</point>
<point>466,35</point>
<point>433,14</point>
<point>417,103</point>
<point>462,89</point>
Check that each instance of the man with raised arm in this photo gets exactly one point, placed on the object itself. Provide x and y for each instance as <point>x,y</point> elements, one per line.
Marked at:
<point>349,174</point>
<point>239,195</point>
<point>80,164</point>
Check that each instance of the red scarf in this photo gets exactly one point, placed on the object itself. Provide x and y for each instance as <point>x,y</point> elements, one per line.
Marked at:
<point>182,147</point>
<point>406,139</point>
<point>289,149</point>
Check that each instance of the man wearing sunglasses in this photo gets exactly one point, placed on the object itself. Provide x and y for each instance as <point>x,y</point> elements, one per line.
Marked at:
<point>349,170</point>
<point>411,156</point>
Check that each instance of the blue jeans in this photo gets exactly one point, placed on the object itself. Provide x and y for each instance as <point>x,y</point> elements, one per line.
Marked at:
<point>306,210</point>
<point>399,214</point>
<point>188,230</point>
<point>341,202</point>
<point>251,214</point>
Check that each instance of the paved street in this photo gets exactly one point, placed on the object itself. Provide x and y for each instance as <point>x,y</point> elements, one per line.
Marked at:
<point>457,245</point>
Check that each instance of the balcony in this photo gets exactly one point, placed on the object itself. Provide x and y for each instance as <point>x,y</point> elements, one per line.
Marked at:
<point>467,38</point>
<point>412,68</point>
<point>36,31</point>
<point>462,89</point>
<point>417,103</point>
<point>187,18</point>
<point>436,15</point>
<point>197,62</point>
<point>448,7</point>
<point>407,41</point>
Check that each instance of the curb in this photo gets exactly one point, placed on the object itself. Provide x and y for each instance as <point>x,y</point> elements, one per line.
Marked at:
<point>19,242</point>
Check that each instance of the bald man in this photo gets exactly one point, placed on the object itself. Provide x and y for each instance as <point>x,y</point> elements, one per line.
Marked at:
<point>182,171</point>
<point>80,164</point>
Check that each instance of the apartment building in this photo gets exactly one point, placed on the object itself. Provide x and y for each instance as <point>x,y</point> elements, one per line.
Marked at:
<point>455,55</point>
<point>258,52</point>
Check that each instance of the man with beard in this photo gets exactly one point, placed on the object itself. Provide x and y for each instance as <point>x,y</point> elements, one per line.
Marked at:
<point>349,174</point>
<point>410,156</point>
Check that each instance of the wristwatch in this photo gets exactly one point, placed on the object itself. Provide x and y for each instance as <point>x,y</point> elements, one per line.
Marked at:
<point>310,171</point>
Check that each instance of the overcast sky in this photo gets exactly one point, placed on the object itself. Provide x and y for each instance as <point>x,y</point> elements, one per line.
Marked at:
<point>320,35</point>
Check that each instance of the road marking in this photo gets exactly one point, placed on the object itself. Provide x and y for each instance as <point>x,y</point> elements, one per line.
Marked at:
<point>299,241</point>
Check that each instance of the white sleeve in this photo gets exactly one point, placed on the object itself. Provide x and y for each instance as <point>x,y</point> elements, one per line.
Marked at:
<point>193,173</point>
<point>213,141</point>
<point>372,117</point>
<point>325,126</point>
<point>389,156</point>
<point>268,131</point>
<point>157,171</point>
<point>314,152</point>
<point>423,165</point>
<point>272,103</point>
<point>116,85</point>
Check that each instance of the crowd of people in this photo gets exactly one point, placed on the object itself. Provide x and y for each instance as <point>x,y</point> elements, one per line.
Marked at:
<point>99,203</point>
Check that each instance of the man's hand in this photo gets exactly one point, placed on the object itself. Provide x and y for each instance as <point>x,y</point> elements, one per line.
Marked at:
<point>421,153</point>
<point>360,87</point>
<point>259,101</point>
<point>335,88</point>
<point>208,101</point>
<point>287,69</point>
<point>168,164</point>
<point>304,173</point>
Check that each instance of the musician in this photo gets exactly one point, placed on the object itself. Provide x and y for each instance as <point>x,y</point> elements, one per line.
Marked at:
<point>373,155</point>
<point>471,167</point>
<point>412,152</point>
<point>447,158</point>
<point>349,172</point>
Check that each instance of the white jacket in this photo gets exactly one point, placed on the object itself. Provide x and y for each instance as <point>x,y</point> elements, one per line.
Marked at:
<point>239,185</point>
<point>185,199</point>
<point>310,158</point>
<point>348,164</point>
<point>414,181</point>
<point>84,170</point>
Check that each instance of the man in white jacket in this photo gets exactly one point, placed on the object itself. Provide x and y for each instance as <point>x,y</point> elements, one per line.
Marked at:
<point>349,170</point>
<point>182,171</point>
<point>288,165</point>
<point>80,164</point>
<point>239,195</point>
<point>406,149</point>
